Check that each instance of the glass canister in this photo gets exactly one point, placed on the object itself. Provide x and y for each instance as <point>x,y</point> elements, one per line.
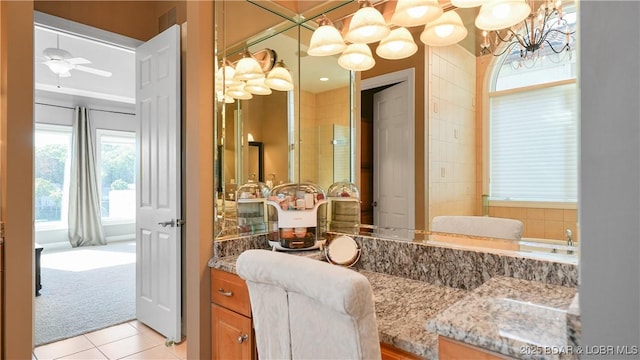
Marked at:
<point>344,208</point>
<point>296,216</point>
<point>251,208</point>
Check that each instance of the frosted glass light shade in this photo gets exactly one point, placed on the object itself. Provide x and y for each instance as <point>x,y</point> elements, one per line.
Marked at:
<point>248,68</point>
<point>257,87</point>
<point>398,45</point>
<point>502,14</point>
<point>239,92</point>
<point>222,97</point>
<point>467,3</point>
<point>445,30</point>
<point>326,40</point>
<point>225,76</point>
<point>367,25</point>
<point>415,12</point>
<point>279,78</point>
<point>357,57</point>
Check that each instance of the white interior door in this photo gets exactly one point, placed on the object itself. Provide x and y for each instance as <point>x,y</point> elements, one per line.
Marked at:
<point>393,161</point>
<point>158,235</point>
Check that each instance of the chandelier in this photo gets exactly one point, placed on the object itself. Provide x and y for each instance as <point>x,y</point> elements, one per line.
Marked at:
<point>542,32</point>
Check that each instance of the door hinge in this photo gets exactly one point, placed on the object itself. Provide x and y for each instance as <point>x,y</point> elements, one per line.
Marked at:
<point>179,222</point>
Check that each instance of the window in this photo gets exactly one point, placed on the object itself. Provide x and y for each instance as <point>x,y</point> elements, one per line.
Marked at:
<point>52,171</point>
<point>533,132</point>
<point>116,162</point>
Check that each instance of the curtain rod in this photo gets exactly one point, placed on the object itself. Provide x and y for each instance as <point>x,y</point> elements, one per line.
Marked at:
<point>73,108</point>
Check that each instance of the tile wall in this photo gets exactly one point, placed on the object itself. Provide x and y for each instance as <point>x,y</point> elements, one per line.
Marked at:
<point>452,131</point>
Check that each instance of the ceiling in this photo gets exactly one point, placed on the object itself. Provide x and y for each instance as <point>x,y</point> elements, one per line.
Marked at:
<point>120,87</point>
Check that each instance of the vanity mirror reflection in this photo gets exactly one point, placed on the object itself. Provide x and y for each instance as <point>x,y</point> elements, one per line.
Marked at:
<point>302,144</point>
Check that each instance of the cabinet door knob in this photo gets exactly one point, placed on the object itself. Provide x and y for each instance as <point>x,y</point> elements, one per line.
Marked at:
<point>225,293</point>
<point>242,338</point>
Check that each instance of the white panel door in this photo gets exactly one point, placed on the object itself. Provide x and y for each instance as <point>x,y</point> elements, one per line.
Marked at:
<point>393,171</point>
<point>158,235</point>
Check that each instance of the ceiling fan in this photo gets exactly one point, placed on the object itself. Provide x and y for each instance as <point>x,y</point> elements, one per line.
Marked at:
<point>61,62</point>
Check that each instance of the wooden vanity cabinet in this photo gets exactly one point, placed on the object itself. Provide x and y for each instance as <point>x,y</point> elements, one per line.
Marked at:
<point>231,324</point>
<point>392,353</point>
<point>449,349</point>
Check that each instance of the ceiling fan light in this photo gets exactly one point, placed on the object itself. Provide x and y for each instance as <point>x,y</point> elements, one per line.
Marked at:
<point>502,14</point>
<point>415,12</point>
<point>279,78</point>
<point>257,87</point>
<point>59,66</point>
<point>357,57</point>
<point>445,30</point>
<point>467,3</point>
<point>326,40</point>
<point>248,68</point>
<point>367,25</point>
<point>398,45</point>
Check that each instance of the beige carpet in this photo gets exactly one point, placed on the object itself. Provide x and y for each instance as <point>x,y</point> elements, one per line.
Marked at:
<point>85,289</point>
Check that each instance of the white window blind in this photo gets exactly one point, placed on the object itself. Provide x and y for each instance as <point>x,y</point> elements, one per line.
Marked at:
<point>533,145</point>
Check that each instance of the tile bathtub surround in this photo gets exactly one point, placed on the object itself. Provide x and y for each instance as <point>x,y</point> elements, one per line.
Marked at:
<point>510,316</point>
<point>458,268</point>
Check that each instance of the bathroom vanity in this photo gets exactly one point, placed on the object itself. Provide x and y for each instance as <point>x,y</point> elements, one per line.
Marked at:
<point>448,303</point>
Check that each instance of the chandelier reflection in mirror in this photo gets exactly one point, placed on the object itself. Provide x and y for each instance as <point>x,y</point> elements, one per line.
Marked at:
<point>254,74</point>
<point>545,33</point>
<point>508,25</point>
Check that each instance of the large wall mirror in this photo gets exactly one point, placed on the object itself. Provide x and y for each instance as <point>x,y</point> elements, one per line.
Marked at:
<point>317,131</point>
<point>306,134</point>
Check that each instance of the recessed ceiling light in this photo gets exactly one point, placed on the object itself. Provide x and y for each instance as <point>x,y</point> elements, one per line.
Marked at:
<point>324,79</point>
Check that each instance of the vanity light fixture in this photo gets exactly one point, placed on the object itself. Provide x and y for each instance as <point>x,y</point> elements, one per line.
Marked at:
<point>398,45</point>
<point>326,39</point>
<point>248,68</point>
<point>225,75</point>
<point>279,78</point>
<point>367,25</point>
<point>445,30</point>
<point>502,14</point>
<point>257,87</point>
<point>467,3</point>
<point>357,57</point>
<point>239,92</point>
<point>415,12</point>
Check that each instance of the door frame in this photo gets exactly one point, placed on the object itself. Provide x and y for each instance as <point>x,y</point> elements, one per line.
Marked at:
<point>407,75</point>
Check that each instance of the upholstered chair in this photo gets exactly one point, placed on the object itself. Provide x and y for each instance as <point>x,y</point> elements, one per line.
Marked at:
<point>308,309</point>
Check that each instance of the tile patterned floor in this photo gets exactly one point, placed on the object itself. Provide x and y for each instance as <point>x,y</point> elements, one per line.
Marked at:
<point>132,340</point>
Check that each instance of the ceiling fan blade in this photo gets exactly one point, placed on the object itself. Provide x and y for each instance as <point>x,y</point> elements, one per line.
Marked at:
<point>93,71</point>
<point>78,61</point>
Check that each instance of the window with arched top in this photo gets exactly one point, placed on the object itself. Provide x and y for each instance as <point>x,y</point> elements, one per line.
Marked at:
<point>533,128</point>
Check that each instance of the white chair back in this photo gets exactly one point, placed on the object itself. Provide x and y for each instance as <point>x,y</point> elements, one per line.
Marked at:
<point>479,226</point>
<point>308,309</point>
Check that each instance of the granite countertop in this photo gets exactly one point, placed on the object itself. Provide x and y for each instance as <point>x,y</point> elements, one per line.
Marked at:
<point>515,317</point>
<point>519,318</point>
<point>402,306</point>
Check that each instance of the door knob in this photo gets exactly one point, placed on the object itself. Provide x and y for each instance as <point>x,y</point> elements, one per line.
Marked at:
<point>242,338</point>
<point>169,223</point>
<point>374,204</point>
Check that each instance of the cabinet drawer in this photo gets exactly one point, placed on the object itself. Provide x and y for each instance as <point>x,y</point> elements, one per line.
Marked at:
<point>389,352</point>
<point>230,291</point>
<point>450,349</point>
